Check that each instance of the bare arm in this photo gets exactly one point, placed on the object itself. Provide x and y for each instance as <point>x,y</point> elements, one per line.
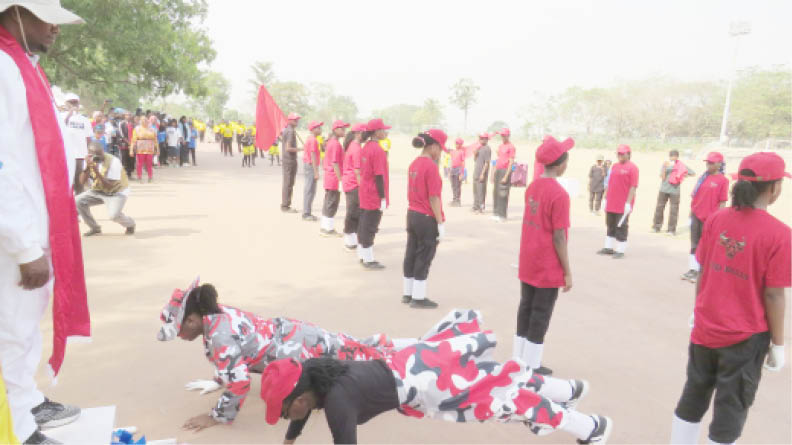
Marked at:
<point>775,304</point>
<point>508,171</point>
<point>560,245</point>
<point>631,195</point>
<point>337,171</point>
<point>434,202</point>
<point>357,175</point>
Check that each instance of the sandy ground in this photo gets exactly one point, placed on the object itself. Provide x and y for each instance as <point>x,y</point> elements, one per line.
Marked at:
<point>623,326</point>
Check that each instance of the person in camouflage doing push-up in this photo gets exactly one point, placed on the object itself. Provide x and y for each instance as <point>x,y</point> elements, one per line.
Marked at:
<point>450,376</point>
<point>239,343</point>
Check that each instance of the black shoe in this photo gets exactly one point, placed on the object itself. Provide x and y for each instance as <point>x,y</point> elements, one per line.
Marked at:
<point>543,370</point>
<point>374,265</point>
<point>38,438</point>
<point>602,430</point>
<point>686,276</point>
<point>130,230</point>
<point>618,255</point>
<point>349,248</point>
<point>309,218</point>
<point>606,251</point>
<point>288,210</point>
<point>329,233</point>
<point>579,390</point>
<point>423,304</point>
<point>406,299</point>
<point>92,232</point>
<point>49,414</point>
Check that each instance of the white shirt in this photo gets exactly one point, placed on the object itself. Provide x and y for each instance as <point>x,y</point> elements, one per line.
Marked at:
<point>24,221</point>
<point>172,136</point>
<point>77,133</point>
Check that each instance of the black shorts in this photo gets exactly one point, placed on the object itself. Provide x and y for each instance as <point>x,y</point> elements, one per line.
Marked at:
<point>696,226</point>
<point>421,245</point>
<point>331,200</point>
<point>535,311</point>
<point>352,218</point>
<point>614,231</point>
<point>368,227</point>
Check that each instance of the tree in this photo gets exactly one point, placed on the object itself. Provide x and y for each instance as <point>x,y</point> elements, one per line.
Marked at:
<point>497,126</point>
<point>399,116</point>
<point>328,106</point>
<point>213,104</point>
<point>291,97</point>
<point>262,75</point>
<point>132,48</point>
<point>430,114</point>
<point>463,95</point>
<point>760,105</point>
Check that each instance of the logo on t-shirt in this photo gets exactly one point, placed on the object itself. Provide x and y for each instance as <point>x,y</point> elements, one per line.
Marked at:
<point>733,247</point>
<point>533,205</point>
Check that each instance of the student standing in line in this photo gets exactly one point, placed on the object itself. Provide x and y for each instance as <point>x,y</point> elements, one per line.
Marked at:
<point>502,177</point>
<point>596,185</point>
<point>544,259</point>
<point>174,140</point>
<point>425,216</point>
<point>248,148</point>
<point>333,165</point>
<point>192,143</point>
<point>373,192</point>
<point>481,173</point>
<point>311,163</point>
<point>228,139</point>
<point>672,173</point>
<point>351,183</point>
<point>740,305</point>
<point>289,140</point>
<point>710,194</point>
<point>457,171</point>
<point>619,202</point>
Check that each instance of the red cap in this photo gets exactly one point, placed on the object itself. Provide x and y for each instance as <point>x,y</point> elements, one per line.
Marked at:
<point>439,136</point>
<point>358,127</point>
<point>766,165</point>
<point>714,156</point>
<point>623,149</point>
<point>293,117</point>
<point>459,141</point>
<point>484,135</point>
<point>376,124</point>
<point>551,149</point>
<point>315,124</point>
<point>505,132</point>
<point>340,124</point>
<point>278,381</point>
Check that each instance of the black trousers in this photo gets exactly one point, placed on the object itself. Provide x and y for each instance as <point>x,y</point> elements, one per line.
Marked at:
<point>239,142</point>
<point>479,192</point>
<point>79,166</point>
<point>534,312</point>
<point>163,153</point>
<point>421,245</point>
<point>614,231</point>
<point>331,200</point>
<point>227,147</point>
<point>368,227</point>
<point>456,183</point>
<point>595,200</point>
<point>733,374</point>
<point>673,211</point>
<point>127,161</point>
<point>696,226</point>
<point>184,154</point>
<point>501,193</point>
<point>289,174</point>
<point>352,211</point>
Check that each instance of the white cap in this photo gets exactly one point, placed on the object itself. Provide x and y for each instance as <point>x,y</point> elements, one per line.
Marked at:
<point>70,97</point>
<point>49,11</point>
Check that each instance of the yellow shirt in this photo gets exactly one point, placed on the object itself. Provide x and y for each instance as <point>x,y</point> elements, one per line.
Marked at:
<point>320,141</point>
<point>6,423</point>
<point>227,131</point>
<point>216,129</point>
<point>385,144</point>
<point>274,150</point>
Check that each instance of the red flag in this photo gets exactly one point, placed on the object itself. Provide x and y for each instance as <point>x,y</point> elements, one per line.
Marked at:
<point>270,120</point>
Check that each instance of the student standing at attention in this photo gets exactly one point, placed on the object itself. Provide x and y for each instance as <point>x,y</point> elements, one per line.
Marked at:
<point>544,261</point>
<point>311,169</point>
<point>619,201</point>
<point>481,168</point>
<point>740,304</point>
<point>373,191</point>
<point>351,183</point>
<point>333,164</point>
<point>502,178</point>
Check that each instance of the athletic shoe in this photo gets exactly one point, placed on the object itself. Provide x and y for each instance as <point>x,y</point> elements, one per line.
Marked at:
<point>602,430</point>
<point>334,233</point>
<point>92,232</point>
<point>618,255</point>
<point>51,414</point>
<point>288,210</point>
<point>374,265</point>
<point>655,230</point>
<point>350,248</point>
<point>309,218</point>
<point>130,230</point>
<point>694,277</point>
<point>423,304</point>
<point>323,232</point>
<point>38,438</point>
<point>406,299</point>
<point>579,390</point>
<point>686,276</point>
<point>606,251</point>
<point>671,233</point>
<point>543,370</point>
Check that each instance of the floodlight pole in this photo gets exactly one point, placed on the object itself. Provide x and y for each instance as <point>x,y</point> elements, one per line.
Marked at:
<point>736,30</point>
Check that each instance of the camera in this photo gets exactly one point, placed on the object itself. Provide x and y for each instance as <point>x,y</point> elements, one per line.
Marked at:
<point>98,159</point>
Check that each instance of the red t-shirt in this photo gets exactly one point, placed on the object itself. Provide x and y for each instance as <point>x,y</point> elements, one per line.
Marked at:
<point>546,209</point>
<point>713,191</point>
<point>458,158</point>
<point>623,176</point>
<point>373,162</point>
<point>351,162</point>
<point>424,181</point>
<point>741,253</point>
<point>506,153</point>
<point>311,147</point>
<point>334,155</point>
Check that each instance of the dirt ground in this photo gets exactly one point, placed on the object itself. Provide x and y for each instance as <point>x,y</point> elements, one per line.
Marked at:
<point>623,326</point>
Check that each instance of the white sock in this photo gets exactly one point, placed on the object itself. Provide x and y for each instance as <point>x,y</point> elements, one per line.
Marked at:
<point>354,238</point>
<point>684,432</point>
<point>368,254</point>
<point>360,253</point>
<point>348,239</point>
<point>577,424</point>
<point>323,223</point>
<point>557,390</point>
<point>693,263</point>
<point>609,241</point>
<point>330,223</point>
<point>419,290</point>
<point>408,286</point>
<point>518,347</point>
<point>621,246</point>
<point>532,354</point>
<point>401,343</point>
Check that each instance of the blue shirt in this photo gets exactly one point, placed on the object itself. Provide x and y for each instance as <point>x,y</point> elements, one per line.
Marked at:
<point>193,137</point>
<point>161,137</point>
<point>101,140</point>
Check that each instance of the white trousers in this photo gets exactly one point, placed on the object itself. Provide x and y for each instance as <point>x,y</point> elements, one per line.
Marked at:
<point>20,343</point>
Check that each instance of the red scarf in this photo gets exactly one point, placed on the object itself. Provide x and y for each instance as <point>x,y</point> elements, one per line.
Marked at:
<point>70,302</point>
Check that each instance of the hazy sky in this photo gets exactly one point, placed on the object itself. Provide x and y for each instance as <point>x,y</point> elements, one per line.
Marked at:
<point>384,52</point>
